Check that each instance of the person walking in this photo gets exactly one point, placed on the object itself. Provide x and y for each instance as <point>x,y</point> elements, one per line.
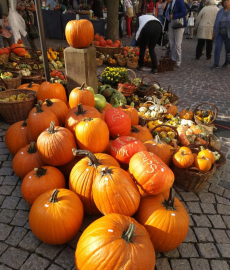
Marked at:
<point>222,34</point>
<point>22,7</point>
<point>7,34</point>
<point>149,32</point>
<point>128,8</point>
<point>176,9</point>
<point>204,28</point>
<point>192,18</point>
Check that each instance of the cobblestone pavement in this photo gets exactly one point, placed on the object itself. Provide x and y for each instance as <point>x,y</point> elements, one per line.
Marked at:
<point>207,245</point>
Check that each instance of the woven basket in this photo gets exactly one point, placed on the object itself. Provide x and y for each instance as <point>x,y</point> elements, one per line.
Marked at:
<point>127,89</point>
<point>168,63</point>
<point>132,63</point>
<point>4,58</point>
<point>149,91</point>
<point>34,75</point>
<point>98,59</point>
<point>12,83</point>
<point>120,62</point>
<point>14,111</point>
<point>215,114</point>
<point>109,50</point>
<point>172,128</point>
<point>172,97</point>
<point>112,64</point>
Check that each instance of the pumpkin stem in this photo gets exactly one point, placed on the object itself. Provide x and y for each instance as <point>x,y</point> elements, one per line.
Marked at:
<point>134,129</point>
<point>129,234</point>
<point>106,171</point>
<point>80,110</point>
<point>142,121</point>
<point>32,149</point>
<point>169,204</point>
<point>124,107</point>
<point>93,161</point>
<point>82,86</point>
<point>49,102</point>
<point>38,107</point>
<point>51,129</point>
<point>53,197</point>
<point>40,171</point>
<point>30,85</point>
<point>24,124</point>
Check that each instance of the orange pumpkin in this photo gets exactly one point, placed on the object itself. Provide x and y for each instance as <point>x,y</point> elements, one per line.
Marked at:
<point>40,180</point>
<point>107,107</point>
<point>183,158</point>
<point>30,86</point>
<point>203,163</point>
<point>165,219</point>
<point>83,174</point>
<point>79,112</point>
<point>121,242</point>
<point>81,95</point>
<point>141,133</point>
<point>186,114</point>
<point>26,160</point>
<point>171,109</point>
<point>17,137</point>
<point>51,90</point>
<point>159,148</point>
<point>55,145</point>
<point>56,216</point>
<point>18,49</point>
<point>150,173</point>
<point>131,112</point>
<point>207,154</point>
<point>79,33</point>
<point>122,195</point>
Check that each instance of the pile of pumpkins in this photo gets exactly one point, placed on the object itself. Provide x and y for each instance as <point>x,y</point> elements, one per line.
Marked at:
<point>101,162</point>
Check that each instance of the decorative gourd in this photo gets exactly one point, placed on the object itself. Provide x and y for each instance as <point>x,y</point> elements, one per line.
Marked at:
<point>18,49</point>
<point>83,174</point>
<point>185,136</point>
<point>76,114</point>
<point>207,154</point>
<point>56,216</point>
<point>171,109</point>
<point>159,148</point>
<point>134,250</point>
<point>141,133</point>
<point>186,114</point>
<point>118,122</point>
<point>131,112</point>
<point>66,169</point>
<point>55,145</point>
<point>183,158</point>
<point>92,134</point>
<point>81,95</point>
<point>51,90</point>
<point>26,160</point>
<point>196,129</point>
<point>79,33</point>
<point>150,173</point>
<point>115,192</point>
<point>165,219</point>
<point>124,147</point>
<point>40,180</point>
<point>203,163</point>
<point>30,86</point>
<point>58,107</point>
<point>17,137</point>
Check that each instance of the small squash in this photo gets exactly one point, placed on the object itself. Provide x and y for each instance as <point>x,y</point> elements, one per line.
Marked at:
<point>186,114</point>
<point>183,158</point>
<point>171,109</point>
<point>81,95</point>
<point>203,163</point>
<point>207,154</point>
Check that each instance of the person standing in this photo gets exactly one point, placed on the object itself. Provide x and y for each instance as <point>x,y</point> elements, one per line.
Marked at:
<point>128,8</point>
<point>160,10</point>
<point>7,35</point>
<point>222,34</point>
<point>97,8</point>
<point>149,32</point>
<point>176,9</point>
<point>120,16</point>
<point>192,13</point>
<point>22,6</point>
<point>204,28</point>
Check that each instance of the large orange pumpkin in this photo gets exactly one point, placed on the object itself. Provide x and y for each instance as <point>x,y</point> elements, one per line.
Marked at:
<point>183,158</point>
<point>83,175</point>
<point>81,95</point>
<point>115,242</point>
<point>165,219</point>
<point>150,173</point>
<point>79,112</point>
<point>26,160</point>
<point>56,216</point>
<point>159,148</point>
<point>17,137</point>
<point>30,86</point>
<point>92,134</point>
<point>115,192</point>
<point>55,145</point>
<point>40,180</point>
<point>131,112</point>
<point>51,90</point>
<point>141,133</point>
<point>79,33</point>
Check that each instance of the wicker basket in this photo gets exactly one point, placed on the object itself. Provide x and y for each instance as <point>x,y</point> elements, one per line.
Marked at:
<point>168,63</point>
<point>14,111</point>
<point>214,116</point>
<point>120,62</point>
<point>127,89</point>
<point>172,97</point>
<point>12,83</point>
<point>112,64</point>
<point>99,60</point>
<point>4,58</point>
<point>34,75</point>
<point>132,63</point>
<point>149,91</point>
<point>109,50</point>
<point>172,128</point>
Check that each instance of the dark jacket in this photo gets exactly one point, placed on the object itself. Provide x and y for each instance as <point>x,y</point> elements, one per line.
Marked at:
<point>121,10</point>
<point>1,11</point>
<point>97,9</point>
<point>179,11</point>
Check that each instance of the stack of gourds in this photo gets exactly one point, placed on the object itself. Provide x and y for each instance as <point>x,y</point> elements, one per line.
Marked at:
<point>93,153</point>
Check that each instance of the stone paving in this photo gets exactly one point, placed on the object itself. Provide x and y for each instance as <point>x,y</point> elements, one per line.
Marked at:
<point>207,245</point>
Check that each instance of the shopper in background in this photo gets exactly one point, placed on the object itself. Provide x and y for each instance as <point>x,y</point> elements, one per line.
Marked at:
<point>222,33</point>
<point>159,11</point>
<point>192,14</point>
<point>150,6</point>
<point>204,28</point>
<point>97,8</point>
<point>120,16</point>
<point>128,8</point>
<point>7,34</point>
